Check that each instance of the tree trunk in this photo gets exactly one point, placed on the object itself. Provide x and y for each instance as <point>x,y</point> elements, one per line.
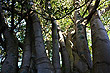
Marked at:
<point>84,62</point>
<point>69,50</point>
<point>100,46</point>
<point>10,64</point>
<point>55,50</point>
<point>64,53</point>
<point>43,64</point>
<point>27,51</point>
<point>33,56</point>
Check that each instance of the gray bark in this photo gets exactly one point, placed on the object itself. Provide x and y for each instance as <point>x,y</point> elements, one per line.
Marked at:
<point>33,56</point>
<point>100,46</point>
<point>55,49</point>
<point>84,62</point>
<point>27,51</point>
<point>43,64</point>
<point>10,64</point>
<point>69,49</point>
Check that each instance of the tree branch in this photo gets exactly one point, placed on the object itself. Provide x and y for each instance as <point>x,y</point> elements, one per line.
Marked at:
<point>87,8</point>
<point>62,16</point>
<point>92,11</point>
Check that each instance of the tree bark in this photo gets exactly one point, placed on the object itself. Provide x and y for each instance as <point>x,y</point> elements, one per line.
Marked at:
<point>64,53</point>
<point>100,46</point>
<point>55,50</point>
<point>11,53</point>
<point>69,50</point>
<point>10,64</point>
<point>43,64</point>
<point>27,50</point>
<point>32,68</point>
<point>84,62</point>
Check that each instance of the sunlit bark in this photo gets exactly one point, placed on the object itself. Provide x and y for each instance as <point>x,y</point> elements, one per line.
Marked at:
<point>65,56</point>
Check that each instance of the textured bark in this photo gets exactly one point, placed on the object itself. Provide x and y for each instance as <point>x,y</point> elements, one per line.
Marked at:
<point>69,49</point>
<point>43,64</point>
<point>27,51</point>
<point>83,62</point>
<point>100,46</point>
<point>55,49</point>
<point>64,53</point>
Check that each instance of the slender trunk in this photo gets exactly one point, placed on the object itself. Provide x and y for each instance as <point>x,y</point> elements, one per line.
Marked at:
<point>100,46</point>
<point>84,63</point>
<point>65,55</point>
<point>27,51</point>
<point>55,50</point>
<point>43,64</point>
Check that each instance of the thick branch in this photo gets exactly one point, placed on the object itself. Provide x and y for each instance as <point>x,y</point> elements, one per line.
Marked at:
<point>92,11</point>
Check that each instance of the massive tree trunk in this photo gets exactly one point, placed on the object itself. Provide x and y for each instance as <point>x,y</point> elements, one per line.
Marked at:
<point>55,51</point>
<point>64,53</point>
<point>100,46</point>
<point>43,64</point>
<point>11,53</point>
<point>32,68</point>
<point>10,64</point>
<point>27,50</point>
<point>83,63</point>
